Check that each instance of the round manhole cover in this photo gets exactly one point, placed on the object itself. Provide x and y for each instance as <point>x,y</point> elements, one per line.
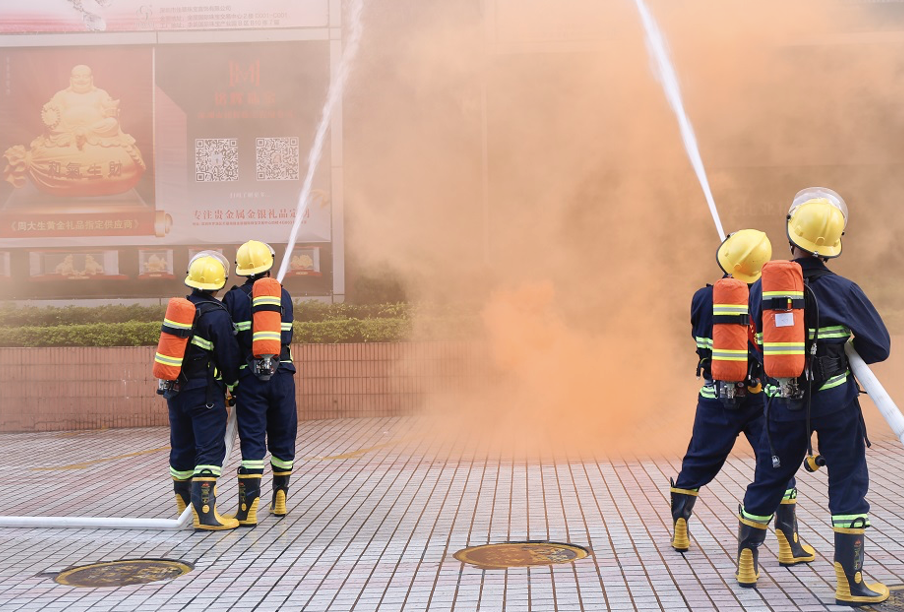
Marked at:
<point>894,603</point>
<point>520,554</point>
<point>122,573</point>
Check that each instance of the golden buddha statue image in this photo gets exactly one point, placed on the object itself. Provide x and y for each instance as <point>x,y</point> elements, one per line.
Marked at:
<point>83,151</point>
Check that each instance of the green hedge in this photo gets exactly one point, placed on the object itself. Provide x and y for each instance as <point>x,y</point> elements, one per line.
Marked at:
<point>314,322</point>
<point>33,316</point>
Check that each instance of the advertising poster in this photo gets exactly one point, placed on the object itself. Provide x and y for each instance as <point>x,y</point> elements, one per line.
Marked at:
<point>140,15</point>
<point>118,162</point>
<point>77,145</point>
<point>233,129</point>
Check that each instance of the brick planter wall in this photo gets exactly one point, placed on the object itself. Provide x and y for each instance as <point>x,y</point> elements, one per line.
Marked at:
<point>52,389</point>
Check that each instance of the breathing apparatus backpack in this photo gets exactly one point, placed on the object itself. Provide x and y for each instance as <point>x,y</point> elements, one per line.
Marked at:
<point>266,327</point>
<point>174,336</point>
<point>785,327</point>
<point>730,369</point>
<point>176,333</point>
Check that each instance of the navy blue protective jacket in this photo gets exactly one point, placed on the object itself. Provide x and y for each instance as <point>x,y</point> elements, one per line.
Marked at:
<point>702,332</point>
<point>238,302</point>
<point>844,310</point>
<point>212,342</point>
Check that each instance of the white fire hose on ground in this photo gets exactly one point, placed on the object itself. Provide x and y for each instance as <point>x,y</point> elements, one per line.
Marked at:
<point>80,522</point>
<point>876,392</point>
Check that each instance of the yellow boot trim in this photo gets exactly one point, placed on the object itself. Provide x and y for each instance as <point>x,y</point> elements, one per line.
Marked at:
<point>746,576</point>
<point>252,513</point>
<point>843,589</point>
<point>690,492</point>
<point>225,522</point>
<point>279,505</point>
<point>786,557</point>
<point>180,504</point>
<point>754,524</point>
<point>681,542</point>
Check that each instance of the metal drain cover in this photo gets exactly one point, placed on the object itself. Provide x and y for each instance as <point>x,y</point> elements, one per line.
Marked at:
<point>122,573</point>
<point>520,554</point>
<point>894,603</point>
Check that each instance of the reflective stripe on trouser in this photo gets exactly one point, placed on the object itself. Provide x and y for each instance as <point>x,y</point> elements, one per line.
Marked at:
<point>716,429</point>
<point>197,433</point>
<point>281,465</point>
<point>841,445</point>
<point>267,417</point>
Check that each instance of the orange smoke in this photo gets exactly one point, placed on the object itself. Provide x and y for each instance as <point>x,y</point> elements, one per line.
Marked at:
<point>522,155</point>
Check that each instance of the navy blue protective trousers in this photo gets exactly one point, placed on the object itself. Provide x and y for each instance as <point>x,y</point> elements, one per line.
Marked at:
<point>715,430</point>
<point>267,417</point>
<point>197,433</point>
<point>841,443</point>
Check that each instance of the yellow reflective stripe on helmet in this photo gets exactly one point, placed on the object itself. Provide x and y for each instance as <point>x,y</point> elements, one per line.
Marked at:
<point>167,359</point>
<point>835,381</point>
<point>176,324</point>
<point>207,345</point>
<point>286,326</point>
<point>266,335</point>
<point>729,355</point>
<point>791,294</point>
<point>243,325</point>
<point>729,309</point>
<point>783,348</point>
<point>263,300</point>
<point>704,343</point>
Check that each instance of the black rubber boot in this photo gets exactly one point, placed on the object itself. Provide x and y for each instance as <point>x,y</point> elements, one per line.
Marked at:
<point>280,492</point>
<point>791,550</point>
<point>204,506</point>
<point>751,536</point>
<point>851,590</point>
<point>182,488</point>
<point>682,507</point>
<point>249,498</point>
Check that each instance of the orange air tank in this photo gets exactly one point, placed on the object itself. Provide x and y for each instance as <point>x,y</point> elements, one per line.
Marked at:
<point>174,335</point>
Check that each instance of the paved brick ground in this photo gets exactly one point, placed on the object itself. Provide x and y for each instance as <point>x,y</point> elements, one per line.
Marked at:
<point>379,507</point>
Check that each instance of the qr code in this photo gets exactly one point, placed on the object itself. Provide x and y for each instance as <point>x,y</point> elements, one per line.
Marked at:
<point>216,159</point>
<point>277,159</point>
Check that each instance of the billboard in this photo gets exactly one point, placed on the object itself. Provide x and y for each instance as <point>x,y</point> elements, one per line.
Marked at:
<point>119,161</point>
<point>49,16</point>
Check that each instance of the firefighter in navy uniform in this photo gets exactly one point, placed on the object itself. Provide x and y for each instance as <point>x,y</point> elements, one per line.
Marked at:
<point>266,409</point>
<point>719,421</point>
<point>835,309</point>
<point>197,413</point>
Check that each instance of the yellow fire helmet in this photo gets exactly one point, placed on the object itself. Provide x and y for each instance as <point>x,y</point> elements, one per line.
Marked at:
<point>207,273</point>
<point>254,257</point>
<point>216,255</point>
<point>743,254</point>
<point>816,221</point>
